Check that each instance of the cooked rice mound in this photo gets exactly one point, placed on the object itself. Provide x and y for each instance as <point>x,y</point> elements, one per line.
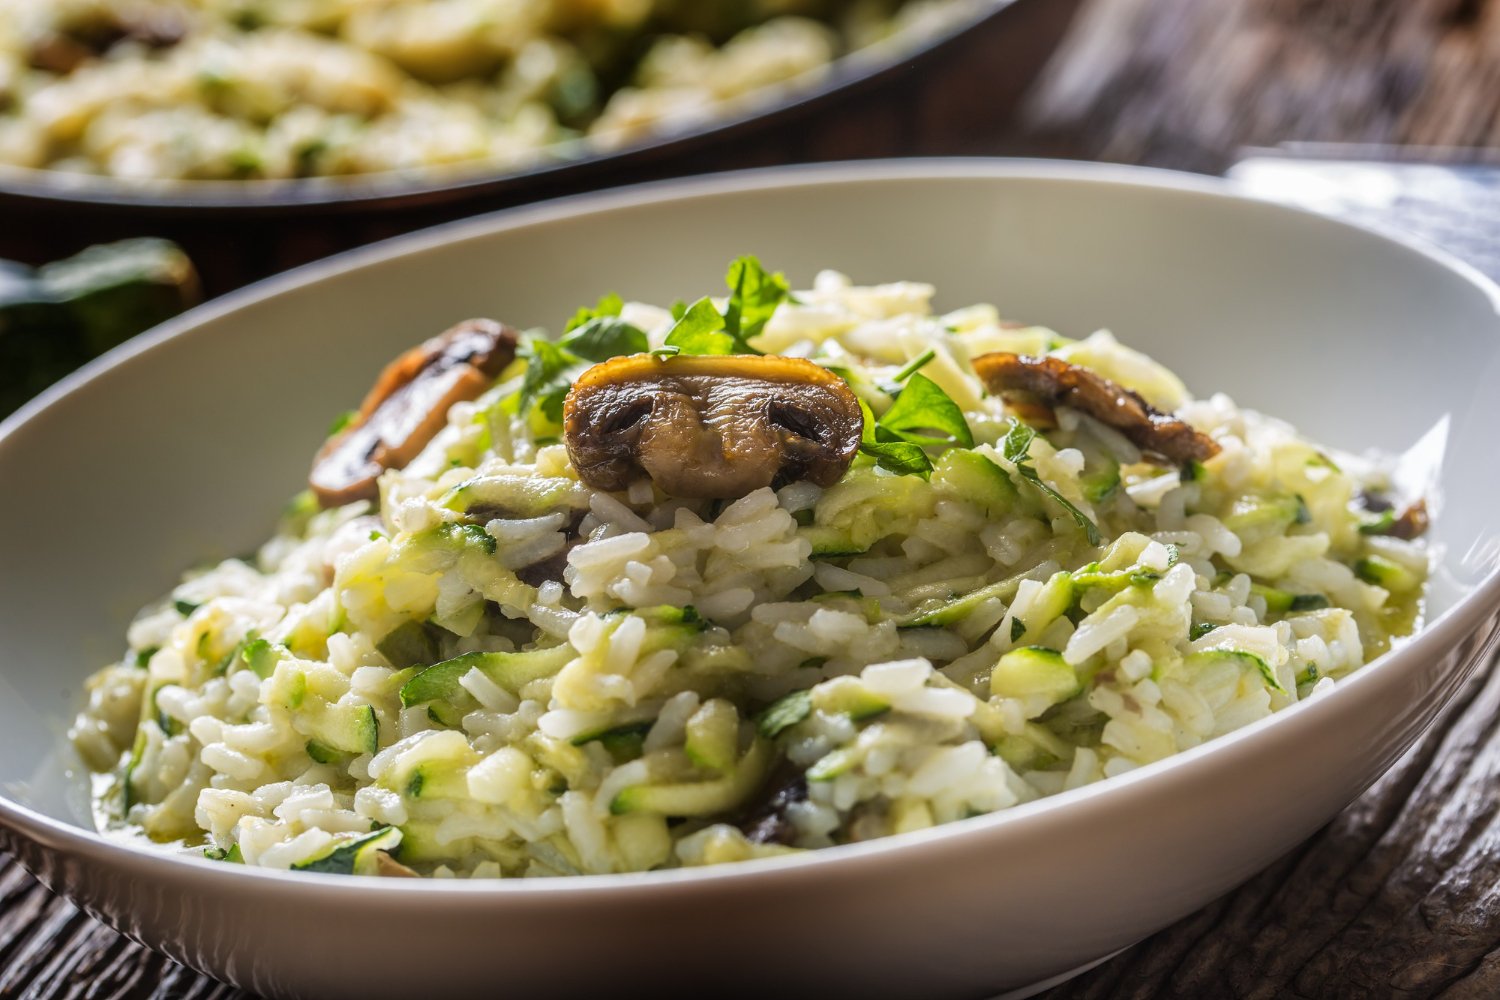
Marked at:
<point>150,90</point>
<point>497,671</point>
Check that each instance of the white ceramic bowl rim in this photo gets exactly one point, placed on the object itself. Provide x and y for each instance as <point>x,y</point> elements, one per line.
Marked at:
<point>1448,628</point>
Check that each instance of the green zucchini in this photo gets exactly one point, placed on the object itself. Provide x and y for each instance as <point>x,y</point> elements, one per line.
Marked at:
<point>410,644</point>
<point>1382,572</point>
<point>954,610</point>
<point>1034,671</point>
<point>116,290</point>
<point>347,728</point>
<point>512,671</point>
<point>971,477</point>
<point>353,857</point>
<point>1279,513</point>
<point>849,696</point>
<point>713,735</point>
<point>830,543</point>
<point>1281,602</point>
<point>700,798</point>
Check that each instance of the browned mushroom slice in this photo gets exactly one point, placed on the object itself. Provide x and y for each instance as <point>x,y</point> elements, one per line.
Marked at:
<point>68,46</point>
<point>711,426</point>
<point>1412,523</point>
<point>765,820</point>
<point>1054,382</point>
<point>408,406</point>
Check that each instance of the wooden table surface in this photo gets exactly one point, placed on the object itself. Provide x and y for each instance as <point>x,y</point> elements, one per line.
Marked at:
<point>1400,895</point>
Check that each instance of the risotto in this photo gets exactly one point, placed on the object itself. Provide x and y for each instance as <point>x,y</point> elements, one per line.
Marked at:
<point>762,573</point>
<point>272,89</point>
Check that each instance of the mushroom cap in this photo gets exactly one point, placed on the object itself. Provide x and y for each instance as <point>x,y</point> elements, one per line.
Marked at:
<point>407,407</point>
<point>711,426</point>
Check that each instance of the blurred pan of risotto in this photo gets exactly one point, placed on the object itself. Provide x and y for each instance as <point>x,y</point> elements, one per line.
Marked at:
<point>241,89</point>
<point>945,565</point>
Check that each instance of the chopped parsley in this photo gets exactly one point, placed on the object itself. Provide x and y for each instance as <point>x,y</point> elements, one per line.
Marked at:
<point>1017,450</point>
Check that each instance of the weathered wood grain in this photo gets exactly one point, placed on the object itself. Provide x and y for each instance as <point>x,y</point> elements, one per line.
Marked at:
<point>1186,83</point>
<point>1400,895</point>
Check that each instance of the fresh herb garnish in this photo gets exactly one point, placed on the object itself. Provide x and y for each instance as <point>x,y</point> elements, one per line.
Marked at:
<point>610,305</point>
<point>754,294</point>
<point>549,375</point>
<point>1017,629</point>
<point>923,406</point>
<point>598,334</point>
<point>604,337</point>
<point>1017,451</point>
<point>900,457</point>
<point>896,441</point>
<point>700,330</point>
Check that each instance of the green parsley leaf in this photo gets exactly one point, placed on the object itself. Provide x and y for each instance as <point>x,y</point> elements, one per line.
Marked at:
<point>754,295</point>
<point>900,457</point>
<point>548,374</point>
<point>1017,444</point>
<point>604,337</point>
<point>610,305</point>
<point>1017,450</point>
<point>923,406</point>
<point>700,331</point>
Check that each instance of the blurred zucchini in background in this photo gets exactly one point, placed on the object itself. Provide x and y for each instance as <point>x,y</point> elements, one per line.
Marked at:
<point>56,317</point>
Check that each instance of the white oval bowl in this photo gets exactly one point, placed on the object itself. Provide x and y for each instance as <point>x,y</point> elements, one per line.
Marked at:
<point>183,445</point>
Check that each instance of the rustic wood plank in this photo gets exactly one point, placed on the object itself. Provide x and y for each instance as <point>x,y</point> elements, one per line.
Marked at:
<point>1186,83</point>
